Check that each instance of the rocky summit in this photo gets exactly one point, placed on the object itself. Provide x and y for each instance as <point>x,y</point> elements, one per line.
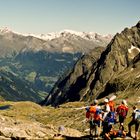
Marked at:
<point>98,74</point>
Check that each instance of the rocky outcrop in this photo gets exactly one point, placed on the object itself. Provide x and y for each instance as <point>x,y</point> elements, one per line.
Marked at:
<point>121,54</point>
<point>19,129</point>
<point>30,121</point>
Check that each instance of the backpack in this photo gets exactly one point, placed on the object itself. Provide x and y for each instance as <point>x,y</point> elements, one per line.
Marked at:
<point>122,111</point>
<point>111,118</point>
<point>92,109</point>
<point>92,112</point>
<point>112,106</point>
<point>97,115</point>
<point>137,116</point>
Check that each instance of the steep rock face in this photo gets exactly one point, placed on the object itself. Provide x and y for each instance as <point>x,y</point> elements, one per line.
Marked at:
<point>118,56</point>
<point>68,86</point>
<point>121,54</point>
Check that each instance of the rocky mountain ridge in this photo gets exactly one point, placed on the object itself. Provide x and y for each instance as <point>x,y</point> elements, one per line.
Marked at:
<point>121,54</point>
<point>49,36</point>
<point>64,41</point>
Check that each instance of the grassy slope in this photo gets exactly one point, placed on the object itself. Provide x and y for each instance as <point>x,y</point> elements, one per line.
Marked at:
<point>65,115</point>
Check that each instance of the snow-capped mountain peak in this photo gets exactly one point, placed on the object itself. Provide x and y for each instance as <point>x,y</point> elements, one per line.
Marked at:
<point>71,32</point>
<point>85,35</point>
<point>49,36</point>
<point>5,30</point>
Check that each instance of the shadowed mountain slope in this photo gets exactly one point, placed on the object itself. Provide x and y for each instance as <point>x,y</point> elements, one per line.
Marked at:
<point>106,75</point>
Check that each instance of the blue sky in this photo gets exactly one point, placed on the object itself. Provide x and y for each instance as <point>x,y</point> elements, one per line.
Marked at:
<point>43,16</point>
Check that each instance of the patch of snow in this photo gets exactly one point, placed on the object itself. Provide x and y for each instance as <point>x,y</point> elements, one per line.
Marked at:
<point>133,47</point>
<point>49,36</point>
<point>71,32</point>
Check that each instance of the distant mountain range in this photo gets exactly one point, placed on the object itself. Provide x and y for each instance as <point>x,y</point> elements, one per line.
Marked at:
<point>114,70</point>
<point>53,35</point>
<point>64,41</point>
<point>38,61</point>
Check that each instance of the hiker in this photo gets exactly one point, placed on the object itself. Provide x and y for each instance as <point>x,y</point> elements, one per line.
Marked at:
<point>106,108</point>
<point>92,107</point>
<point>135,121</point>
<point>95,122</point>
<point>95,102</point>
<point>111,118</point>
<point>94,118</point>
<point>112,103</point>
<point>108,122</point>
<point>121,133</point>
<point>122,111</point>
<point>109,134</point>
<point>114,134</point>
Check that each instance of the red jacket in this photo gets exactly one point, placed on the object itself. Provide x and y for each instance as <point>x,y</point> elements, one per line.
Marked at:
<point>122,110</point>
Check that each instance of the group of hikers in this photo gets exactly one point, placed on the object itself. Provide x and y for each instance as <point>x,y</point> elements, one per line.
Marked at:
<point>107,116</point>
